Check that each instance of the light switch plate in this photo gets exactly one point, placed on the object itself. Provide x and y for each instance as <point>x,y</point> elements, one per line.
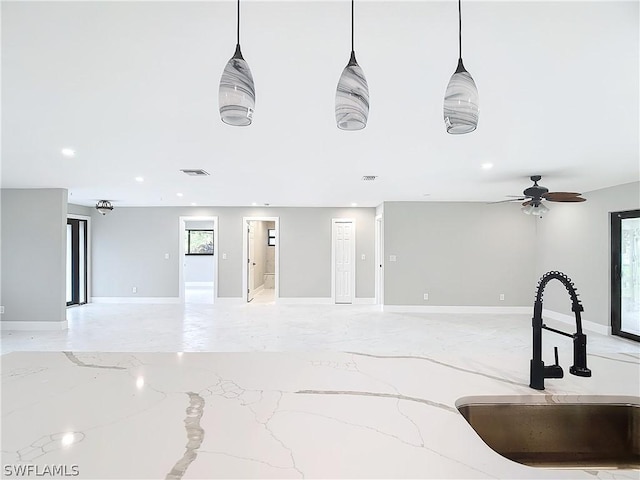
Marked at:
<point>392,258</point>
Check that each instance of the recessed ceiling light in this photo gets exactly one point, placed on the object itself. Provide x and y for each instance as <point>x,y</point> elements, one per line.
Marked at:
<point>139,179</point>
<point>354,204</point>
<point>68,152</point>
<point>179,194</point>
<point>193,204</point>
<point>254,204</point>
<point>487,166</point>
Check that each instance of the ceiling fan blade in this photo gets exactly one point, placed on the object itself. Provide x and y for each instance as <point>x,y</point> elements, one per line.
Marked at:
<point>567,199</point>
<point>510,200</point>
<point>560,196</point>
<point>527,203</point>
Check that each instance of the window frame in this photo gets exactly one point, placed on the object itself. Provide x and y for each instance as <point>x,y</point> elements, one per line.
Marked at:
<point>187,247</point>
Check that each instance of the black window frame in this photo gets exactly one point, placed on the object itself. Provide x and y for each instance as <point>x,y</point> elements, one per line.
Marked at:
<point>187,247</point>
<point>616,284</point>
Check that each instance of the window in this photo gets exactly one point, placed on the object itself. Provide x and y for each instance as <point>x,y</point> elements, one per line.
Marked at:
<point>271,240</point>
<point>198,242</point>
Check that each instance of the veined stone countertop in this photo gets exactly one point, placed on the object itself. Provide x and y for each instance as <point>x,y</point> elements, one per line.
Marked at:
<point>276,415</point>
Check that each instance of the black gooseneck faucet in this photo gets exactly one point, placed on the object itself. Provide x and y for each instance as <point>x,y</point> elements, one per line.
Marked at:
<point>538,370</point>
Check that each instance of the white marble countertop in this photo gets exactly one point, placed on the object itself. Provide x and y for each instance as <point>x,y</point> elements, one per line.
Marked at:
<point>275,415</point>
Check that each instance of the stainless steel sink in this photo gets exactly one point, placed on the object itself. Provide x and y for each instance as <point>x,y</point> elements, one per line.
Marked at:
<point>546,431</point>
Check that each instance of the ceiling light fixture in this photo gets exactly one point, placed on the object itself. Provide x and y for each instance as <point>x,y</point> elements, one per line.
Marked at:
<point>237,95</point>
<point>193,204</point>
<point>487,166</point>
<point>352,94</point>
<point>68,152</point>
<point>534,208</point>
<point>179,194</point>
<point>139,179</point>
<point>104,206</point>
<point>461,102</point>
<point>354,204</point>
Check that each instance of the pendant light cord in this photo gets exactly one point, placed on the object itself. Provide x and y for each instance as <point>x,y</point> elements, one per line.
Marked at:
<point>238,31</point>
<point>459,30</point>
<point>352,1</point>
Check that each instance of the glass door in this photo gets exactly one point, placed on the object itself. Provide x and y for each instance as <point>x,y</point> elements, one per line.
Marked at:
<point>76,261</point>
<point>625,274</point>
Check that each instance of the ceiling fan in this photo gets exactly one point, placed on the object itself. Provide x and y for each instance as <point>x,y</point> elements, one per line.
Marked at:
<point>535,194</point>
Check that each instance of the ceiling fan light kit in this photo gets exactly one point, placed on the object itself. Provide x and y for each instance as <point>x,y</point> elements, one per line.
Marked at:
<point>461,101</point>
<point>352,94</point>
<point>535,194</point>
<point>237,94</point>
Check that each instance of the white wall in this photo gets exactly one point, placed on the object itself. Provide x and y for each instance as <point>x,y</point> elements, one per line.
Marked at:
<point>34,240</point>
<point>575,239</point>
<point>461,254</point>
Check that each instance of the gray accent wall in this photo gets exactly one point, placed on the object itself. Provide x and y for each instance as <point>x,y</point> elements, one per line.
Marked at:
<point>461,254</point>
<point>34,254</point>
<point>73,209</point>
<point>575,239</point>
<point>129,245</point>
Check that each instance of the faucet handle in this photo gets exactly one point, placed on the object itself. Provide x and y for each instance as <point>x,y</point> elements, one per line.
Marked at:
<point>555,370</point>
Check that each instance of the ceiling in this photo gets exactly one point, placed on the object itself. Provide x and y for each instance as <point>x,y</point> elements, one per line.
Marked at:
<point>132,87</point>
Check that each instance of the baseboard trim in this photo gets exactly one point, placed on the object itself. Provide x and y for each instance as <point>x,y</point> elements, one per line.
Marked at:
<point>454,309</point>
<point>135,299</point>
<point>198,284</point>
<point>33,326</point>
<point>571,320</point>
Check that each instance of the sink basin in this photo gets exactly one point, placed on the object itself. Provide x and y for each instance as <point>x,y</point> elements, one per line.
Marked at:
<point>552,431</point>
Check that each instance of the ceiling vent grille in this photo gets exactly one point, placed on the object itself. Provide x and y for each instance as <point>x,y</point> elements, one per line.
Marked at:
<point>369,178</point>
<point>195,172</point>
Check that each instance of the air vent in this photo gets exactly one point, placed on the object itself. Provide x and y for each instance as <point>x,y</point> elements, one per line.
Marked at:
<point>195,172</point>
<point>369,178</point>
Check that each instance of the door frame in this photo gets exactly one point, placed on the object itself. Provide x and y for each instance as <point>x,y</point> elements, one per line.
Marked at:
<point>616,293</point>
<point>245,253</point>
<point>182,226</point>
<point>333,257</point>
<point>379,257</point>
<point>88,254</point>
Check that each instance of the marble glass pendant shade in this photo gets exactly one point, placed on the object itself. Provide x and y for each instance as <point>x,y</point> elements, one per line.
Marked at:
<point>237,94</point>
<point>461,101</point>
<point>352,94</point>
<point>352,97</point>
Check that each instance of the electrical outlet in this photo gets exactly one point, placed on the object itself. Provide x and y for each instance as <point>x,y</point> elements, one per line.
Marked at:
<point>1,309</point>
<point>426,296</point>
<point>502,296</point>
<point>166,256</point>
<point>392,258</point>
<point>224,256</point>
<point>363,257</point>
<point>134,289</point>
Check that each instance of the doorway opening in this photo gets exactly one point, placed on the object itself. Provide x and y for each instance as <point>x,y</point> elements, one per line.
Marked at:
<point>198,255</point>
<point>343,256</point>
<point>77,260</point>
<point>261,259</point>
<point>625,274</point>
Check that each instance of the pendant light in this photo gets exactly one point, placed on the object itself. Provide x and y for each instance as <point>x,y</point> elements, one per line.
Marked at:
<point>237,96</point>
<point>461,98</point>
<point>352,94</point>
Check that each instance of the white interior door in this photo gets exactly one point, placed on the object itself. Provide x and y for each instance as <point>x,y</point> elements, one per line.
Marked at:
<point>251,264</point>
<point>344,262</point>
